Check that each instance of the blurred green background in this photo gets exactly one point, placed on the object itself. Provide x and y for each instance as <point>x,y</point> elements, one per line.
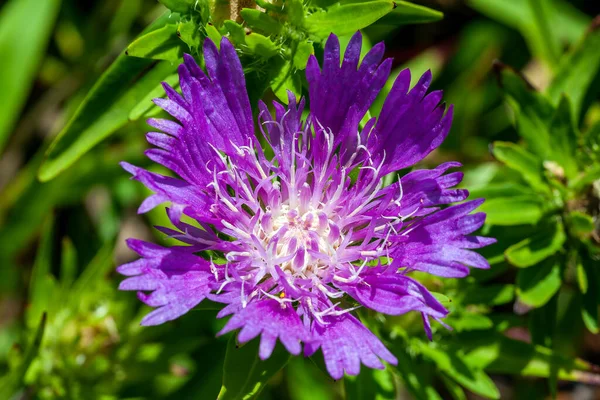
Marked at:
<point>66,206</point>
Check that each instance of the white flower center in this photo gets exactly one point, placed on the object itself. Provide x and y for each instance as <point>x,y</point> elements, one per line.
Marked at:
<point>302,244</point>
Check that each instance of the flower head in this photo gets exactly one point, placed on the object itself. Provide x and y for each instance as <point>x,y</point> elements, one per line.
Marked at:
<point>306,229</point>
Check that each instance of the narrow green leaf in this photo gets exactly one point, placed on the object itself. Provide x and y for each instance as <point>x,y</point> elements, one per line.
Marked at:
<point>93,274</point>
<point>568,22</point>
<point>42,287</point>
<point>12,382</point>
<point>509,211</point>
<point>105,109</point>
<point>522,161</point>
<point>345,19</point>
<point>68,266</point>
<point>542,21</point>
<point>454,389</point>
<point>146,104</point>
<point>160,44</point>
<point>244,374</point>
<point>537,285</point>
<point>591,297</point>
<point>563,132</point>
<point>454,365</point>
<point>261,21</point>
<point>578,69</point>
<point>25,27</point>
<point>534,249</point>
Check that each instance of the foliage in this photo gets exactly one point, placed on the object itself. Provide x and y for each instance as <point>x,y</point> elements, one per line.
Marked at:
<point>64,199</point>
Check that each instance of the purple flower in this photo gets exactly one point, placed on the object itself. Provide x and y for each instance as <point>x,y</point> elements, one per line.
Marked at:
<point>303,231</point>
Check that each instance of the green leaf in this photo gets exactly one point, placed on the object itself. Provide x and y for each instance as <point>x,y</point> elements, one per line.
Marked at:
<point>499,354</point>
<point>25,27</point>
<point>261,46</point>
<point>509,211</point>
<point>455,367</point>
<point>537,285</point>
<point>542,245</point>
<point>567,22</point>
<point>179,6</point>
<point>146,104</point>
<point>469,321</point>
<point>303,51</point>
<point>549,42</point>
<point>160,44</point>
<point>580,223</point>
<point>345,19</point>
<point>188,31</point>
<point>244,374</point>
<point>542,323</point>
<point>93,274</point>
<point>106,107</point>
<point>261,21</point>
<point>414,374</point>
<point>408,13</point>
<point>12,382</point>
<point>591,297</point>
<point>42,287</point>
<point>68,266</point>
<point>522,161</point>
<point>455,390</point>
<point>563,133</point>
<point>534,112</point>
<point>502,189</point>
<point>577,70</point>
<point>288,78</point>
<point>372,384</point>
<point>493,295</point>
<point>236,32</point>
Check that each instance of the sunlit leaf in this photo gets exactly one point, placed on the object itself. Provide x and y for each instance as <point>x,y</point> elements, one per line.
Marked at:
<point>519,159</point>
<point>454,365</point>
<point>508,211</point>
<point>499,354</point>
<point>534,249</point>
<point>345,19</point>
<point>106,108</point>
<point>537,284</point>
<point>257,19</point>
<point>160,44</point>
